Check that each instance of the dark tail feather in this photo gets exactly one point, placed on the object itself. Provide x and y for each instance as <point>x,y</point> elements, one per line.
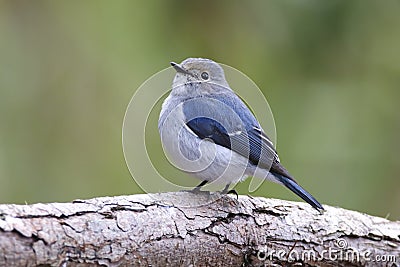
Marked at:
<point>298,190</point>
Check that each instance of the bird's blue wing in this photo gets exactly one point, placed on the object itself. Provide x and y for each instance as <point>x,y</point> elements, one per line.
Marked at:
<point>208,128</point>
<point>249,144</point>
<point>227,121</point>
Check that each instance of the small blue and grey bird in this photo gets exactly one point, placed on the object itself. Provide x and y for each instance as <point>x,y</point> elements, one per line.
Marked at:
<point>207,131</point>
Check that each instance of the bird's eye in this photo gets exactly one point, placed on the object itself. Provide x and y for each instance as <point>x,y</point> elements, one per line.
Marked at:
<point>204,75</point>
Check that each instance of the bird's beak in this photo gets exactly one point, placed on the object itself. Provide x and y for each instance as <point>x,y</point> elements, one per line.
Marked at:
<point>179,68</point>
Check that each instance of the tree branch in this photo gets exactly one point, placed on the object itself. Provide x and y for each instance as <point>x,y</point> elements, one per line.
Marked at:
<point>183,228</point>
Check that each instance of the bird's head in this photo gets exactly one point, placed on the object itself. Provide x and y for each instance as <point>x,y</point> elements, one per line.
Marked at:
<point>196,71</point>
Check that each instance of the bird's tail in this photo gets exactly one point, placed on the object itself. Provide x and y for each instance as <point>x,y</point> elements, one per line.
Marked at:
<point>298,190</point>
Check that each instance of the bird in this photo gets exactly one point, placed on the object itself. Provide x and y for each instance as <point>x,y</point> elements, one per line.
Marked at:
<point>207,131</point>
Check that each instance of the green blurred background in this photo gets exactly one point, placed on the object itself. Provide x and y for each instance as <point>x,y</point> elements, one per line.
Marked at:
<point>329,69</point>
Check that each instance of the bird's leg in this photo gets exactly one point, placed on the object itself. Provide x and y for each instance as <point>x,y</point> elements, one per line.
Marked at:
<point>197,188</point>
<point>227,191</point>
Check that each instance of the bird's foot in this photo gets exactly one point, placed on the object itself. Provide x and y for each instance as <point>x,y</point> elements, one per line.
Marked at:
<point>226,191</point>
<point>233,191</point>
<point>197,190</point>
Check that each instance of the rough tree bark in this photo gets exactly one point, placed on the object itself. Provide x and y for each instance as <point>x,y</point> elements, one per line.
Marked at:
<point>186,229</point>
